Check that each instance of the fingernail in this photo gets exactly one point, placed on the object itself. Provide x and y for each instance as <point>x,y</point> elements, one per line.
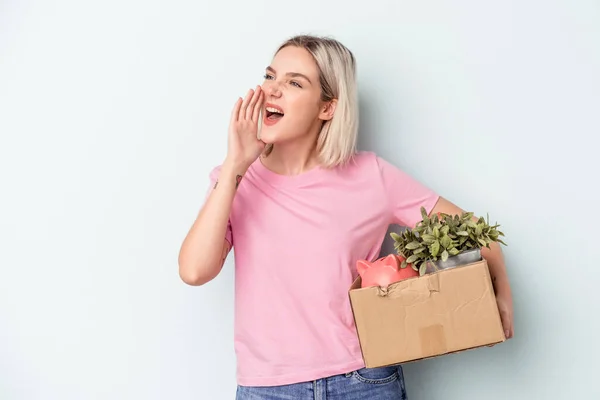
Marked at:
<point>506,333</point>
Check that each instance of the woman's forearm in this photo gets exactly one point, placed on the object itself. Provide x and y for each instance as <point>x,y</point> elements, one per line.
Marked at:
<point>204,249</point>
<point>495,261</point>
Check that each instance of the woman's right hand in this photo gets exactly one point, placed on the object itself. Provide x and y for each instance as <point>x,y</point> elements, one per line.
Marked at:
<point>244,147</point>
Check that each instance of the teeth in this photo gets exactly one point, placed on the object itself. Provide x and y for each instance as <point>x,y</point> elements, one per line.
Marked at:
<point>273,110</point>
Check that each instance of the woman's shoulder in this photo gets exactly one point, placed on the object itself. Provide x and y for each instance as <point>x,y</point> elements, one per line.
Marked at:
<point>370,159</point>
<point>367,161</point>
<point>370,164</point>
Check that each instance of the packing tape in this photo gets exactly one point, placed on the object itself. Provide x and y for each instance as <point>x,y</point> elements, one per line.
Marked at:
<point>424,285</point>
<point>433,340</point>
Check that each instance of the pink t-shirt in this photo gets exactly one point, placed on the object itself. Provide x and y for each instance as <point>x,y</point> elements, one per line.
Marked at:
<point>296,240</point>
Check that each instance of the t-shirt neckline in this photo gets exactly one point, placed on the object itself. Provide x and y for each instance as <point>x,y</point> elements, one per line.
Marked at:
<point>280,179</point>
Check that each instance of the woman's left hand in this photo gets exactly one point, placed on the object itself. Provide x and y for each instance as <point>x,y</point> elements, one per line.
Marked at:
<point>506,314</point>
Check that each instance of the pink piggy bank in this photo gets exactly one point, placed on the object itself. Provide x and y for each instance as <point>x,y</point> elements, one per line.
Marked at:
<point>384,271</point>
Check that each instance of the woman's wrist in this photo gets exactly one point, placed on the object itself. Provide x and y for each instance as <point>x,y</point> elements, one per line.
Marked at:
<point>232,172</point>
<point>239,167</point>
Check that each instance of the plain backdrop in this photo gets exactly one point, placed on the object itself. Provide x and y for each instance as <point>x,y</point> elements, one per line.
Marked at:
<point>113,113</point>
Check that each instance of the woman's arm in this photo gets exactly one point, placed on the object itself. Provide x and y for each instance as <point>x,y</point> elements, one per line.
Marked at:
<point>495,261</point>
<point>204,250</point>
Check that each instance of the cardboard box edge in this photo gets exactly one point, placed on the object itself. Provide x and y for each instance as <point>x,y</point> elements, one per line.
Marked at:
<point>356,286</point>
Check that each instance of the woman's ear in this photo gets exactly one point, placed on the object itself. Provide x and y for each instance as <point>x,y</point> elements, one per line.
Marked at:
<point>327,110</point>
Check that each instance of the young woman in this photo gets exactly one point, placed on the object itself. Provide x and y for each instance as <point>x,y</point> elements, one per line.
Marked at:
<point>300,205</point>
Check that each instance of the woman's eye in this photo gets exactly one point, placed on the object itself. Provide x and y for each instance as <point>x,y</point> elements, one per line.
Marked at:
<point>294,83</point>
<point>267,76</point>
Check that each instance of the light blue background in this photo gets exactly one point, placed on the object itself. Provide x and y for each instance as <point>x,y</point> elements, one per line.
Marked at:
<point>113,113</point>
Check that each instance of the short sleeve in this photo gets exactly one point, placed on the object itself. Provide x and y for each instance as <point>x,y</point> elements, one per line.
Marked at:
<point>213,176</point>
<point>405,195</point>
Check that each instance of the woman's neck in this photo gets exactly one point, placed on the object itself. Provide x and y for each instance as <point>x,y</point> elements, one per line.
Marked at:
<point>293,158</point>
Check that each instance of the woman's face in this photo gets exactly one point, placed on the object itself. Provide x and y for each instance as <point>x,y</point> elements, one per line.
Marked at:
<point>293,106</point>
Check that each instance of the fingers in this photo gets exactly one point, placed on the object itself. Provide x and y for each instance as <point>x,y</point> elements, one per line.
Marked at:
<point>250,107</point>
<point>506,324</point>
<point>253,102</point>
<point>249,95</point>
<point>258,107</point>
<point>236,110</point>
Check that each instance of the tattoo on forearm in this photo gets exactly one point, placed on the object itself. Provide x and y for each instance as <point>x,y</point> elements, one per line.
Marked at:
<point>238,180</point>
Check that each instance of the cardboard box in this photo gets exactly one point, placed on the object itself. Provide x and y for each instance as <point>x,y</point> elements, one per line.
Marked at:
<point>444,312</point>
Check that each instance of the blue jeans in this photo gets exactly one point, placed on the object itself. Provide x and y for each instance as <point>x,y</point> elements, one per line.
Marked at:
<point>383,383</point>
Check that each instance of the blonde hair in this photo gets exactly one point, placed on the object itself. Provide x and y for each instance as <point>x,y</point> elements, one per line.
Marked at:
<point>336,143</point>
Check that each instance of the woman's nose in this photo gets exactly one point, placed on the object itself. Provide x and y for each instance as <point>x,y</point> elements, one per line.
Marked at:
<point>272,89</point>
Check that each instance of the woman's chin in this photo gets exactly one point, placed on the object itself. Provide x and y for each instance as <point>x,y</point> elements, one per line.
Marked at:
<point>268,135</point>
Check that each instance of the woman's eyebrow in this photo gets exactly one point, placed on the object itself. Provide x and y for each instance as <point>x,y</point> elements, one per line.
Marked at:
<point>292,74</point>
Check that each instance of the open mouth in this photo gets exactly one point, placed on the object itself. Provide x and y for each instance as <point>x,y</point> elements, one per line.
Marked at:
<point>273,113</point>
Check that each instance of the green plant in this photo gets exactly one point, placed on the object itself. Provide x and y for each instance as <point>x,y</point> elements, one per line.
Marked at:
<point>441,236</point>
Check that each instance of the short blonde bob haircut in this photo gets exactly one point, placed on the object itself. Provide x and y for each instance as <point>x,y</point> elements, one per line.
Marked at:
<point>336,143</point>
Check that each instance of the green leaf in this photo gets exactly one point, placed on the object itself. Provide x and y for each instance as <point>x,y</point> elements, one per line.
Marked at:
<point>478,229</point>
<point>436,232</point>
<point>423,213</point>
<point>412,258</point>
<point>423,269</point>
<point>428,238</point>
<point>462,233</point>
<point>413,245</point>
<point>445,255</point>
<point>482,242</point>
<point>446,242</point>
<point>419,250</point>
<point>404,264</point>
<point>445,230</point>
<point>426,221</point>
<point>413,266</point>
<point>395,236</point>
<point>434,249</point>
<point>454,251</point>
